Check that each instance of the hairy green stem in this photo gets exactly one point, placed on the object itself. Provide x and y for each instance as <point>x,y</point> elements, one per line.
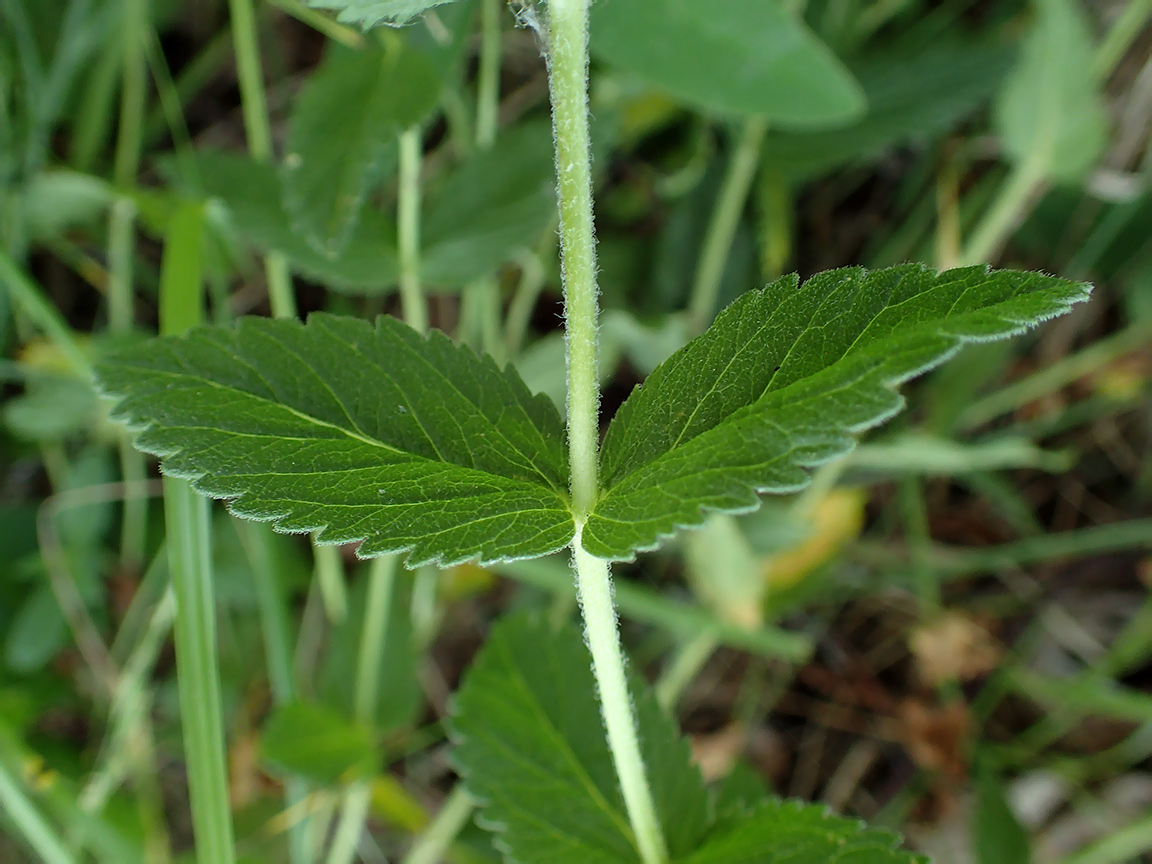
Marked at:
<point>594,589</point>
<point>725,220</point>
<point>408,230</point>
<point>568,83</point>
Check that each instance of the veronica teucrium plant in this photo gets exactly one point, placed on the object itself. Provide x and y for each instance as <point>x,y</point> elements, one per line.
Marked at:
<point>372,433</point>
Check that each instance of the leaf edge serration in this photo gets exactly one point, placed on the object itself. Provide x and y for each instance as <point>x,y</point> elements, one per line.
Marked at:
<point>1078,292</point>
<point>139,428</point>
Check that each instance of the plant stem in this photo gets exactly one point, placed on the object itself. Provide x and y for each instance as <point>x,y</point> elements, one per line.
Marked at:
<point>259,134</point>
<point>488,75</point>
<point>353,813</point>
<point>369,662</point>
<point>121,237</point>
<point>408,230</point>
<point>685,666</point>
<point>1024,180</point>
<point>187,521</point>
<point>329,570</point>
<point>438,837</point>
<point>594,589</point>
<point>527,293</point>
<point>1119,38</point>
<point>373,634</point>
<point>568,83</point>
<point>725,220</point>
<point>337,32</point>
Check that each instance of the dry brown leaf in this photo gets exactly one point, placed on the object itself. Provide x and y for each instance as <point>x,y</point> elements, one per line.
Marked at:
<point>953,647</point>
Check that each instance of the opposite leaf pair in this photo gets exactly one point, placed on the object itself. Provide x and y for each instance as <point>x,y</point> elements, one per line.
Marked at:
<point>415,444</point>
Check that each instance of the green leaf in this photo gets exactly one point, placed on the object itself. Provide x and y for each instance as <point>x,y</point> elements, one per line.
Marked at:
<point>1050,111</point>
<point>51,409</point>
<point>355,432</point>
<point>341,132</point>
<point>499,200</point>
<point>789,832</point>
<point>997,834</point>
<point>252,197</point>
<point>531,748</point>
<point>740,57</point>
<point>916,90</point>
<point>369,13</point>
<point>782,381</point>
<point>316,742</point>
<point>38,632</point>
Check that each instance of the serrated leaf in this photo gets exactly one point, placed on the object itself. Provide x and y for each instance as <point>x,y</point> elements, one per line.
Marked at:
<point>789,832</point>
<point>342,129</point>
<point>1050,111</point>
<point>408,443</point>
<point>741,57</point>
<point>531,747</point>
<point>782,381</point>
<point>369,13</point>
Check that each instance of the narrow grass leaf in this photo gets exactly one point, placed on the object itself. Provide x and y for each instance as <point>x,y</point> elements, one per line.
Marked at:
<point>783,380</point>
<point>354,431</point>
<point>531,747</point>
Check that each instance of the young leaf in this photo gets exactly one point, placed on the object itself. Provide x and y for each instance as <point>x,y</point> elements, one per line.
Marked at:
<point>788,832</point>
<point>741,56</point>
<point>345,122</point>
<point>356,432</point>
<point>1050,111</point>
<point>531,747</point>
<point>369,13</point>
<point>781,382</point>
<point>317,742</point>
